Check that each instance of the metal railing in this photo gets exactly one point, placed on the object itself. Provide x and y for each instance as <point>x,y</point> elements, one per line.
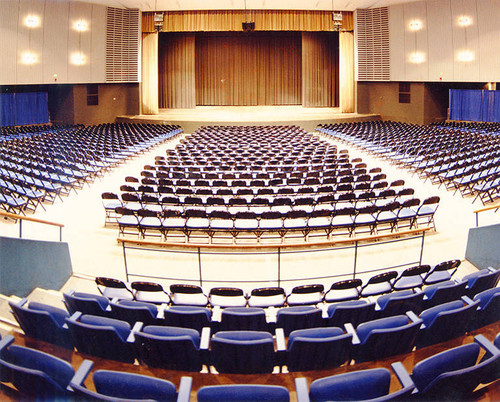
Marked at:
<point>355,244</point>
<point>20,219</point>
<point>484,209</point>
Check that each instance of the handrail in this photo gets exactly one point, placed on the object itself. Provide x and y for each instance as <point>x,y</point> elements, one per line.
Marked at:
<point>356,244</point>
<point>484,209</point>
<point>21,218</point>
<point>273,245</point>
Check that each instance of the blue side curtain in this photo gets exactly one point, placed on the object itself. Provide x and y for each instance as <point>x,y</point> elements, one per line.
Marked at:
<point>474,105</point>
<point>23,108</point>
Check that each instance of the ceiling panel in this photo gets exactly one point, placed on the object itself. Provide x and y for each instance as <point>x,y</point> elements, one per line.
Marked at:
<point>180,5</point>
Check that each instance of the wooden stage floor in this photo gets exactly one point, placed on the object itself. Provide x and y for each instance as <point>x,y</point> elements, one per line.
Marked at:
<point>191,119</point>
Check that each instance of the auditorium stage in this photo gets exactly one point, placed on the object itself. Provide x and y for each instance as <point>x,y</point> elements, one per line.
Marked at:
<point>191,119</point>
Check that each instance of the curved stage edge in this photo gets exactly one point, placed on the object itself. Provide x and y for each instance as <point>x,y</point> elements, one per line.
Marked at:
<point>192,119</point>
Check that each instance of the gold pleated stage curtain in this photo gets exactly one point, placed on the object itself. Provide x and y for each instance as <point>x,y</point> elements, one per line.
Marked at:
<point>346,78</point>
<point>248,69</point>
<point>319,69</point>
<point>230,20</point>
<point>149,87</point>
<point>177,70</point>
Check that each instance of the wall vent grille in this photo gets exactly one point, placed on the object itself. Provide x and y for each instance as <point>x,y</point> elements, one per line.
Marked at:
<point>122,45</point>
<point>372,28</point>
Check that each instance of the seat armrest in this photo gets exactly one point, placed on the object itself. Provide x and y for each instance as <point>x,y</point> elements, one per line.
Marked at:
<point>22,302</point>
<point>6,341</point>
<point>324,311</point>
<point>136,328</point>
<point>486,344</point>
<point>76,316</point>
<point>403,376</point>
<point>114,300</point>
<point>216,313</point>
<point>184,393</point>
<point>491,269</point>
<point>412,316</point>
<point>205,338</point>
<point>467,300</point>
<point>350,330</point>
<point>301,389</point>
<point>280,340</point>
<point>161,311</point>
<point>82,373</point>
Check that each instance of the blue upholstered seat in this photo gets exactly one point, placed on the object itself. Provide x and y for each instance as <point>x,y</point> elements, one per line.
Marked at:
<point>298,317</point>
<point>317,348</point>
<point>362,385</point>
<point>397,303</point>
<point>133,311</point>
<point>171,348</point>
<point>480,281</point>
<point>385,337</point>
<point>243,352</point>
<point>35,374</point>
<point>243,318</point>
<point>101,336</point>
<point>443,292</point>
<point>43,322</point>
<point>86,303</point>
<point>453,374</point>
<point>353,311</point>
<point>243,393</point>
<point>122,386</point>
<point>445,321</point>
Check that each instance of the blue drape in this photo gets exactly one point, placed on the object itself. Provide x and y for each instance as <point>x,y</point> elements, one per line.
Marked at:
<point>474,105</point>
<point>22,108</point>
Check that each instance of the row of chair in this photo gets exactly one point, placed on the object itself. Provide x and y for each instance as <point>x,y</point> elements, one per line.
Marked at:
<point>413,278</point>
<point>463,160</point>
<point>452,374</point>
<point>155,341</point>
<point>43,166</point>
<point>246,351</point>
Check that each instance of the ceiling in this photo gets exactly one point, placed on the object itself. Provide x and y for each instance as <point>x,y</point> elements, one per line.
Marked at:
<point>179,5</point>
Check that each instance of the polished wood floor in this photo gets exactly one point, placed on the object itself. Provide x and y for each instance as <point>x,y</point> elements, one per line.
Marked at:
<point>490,392</point>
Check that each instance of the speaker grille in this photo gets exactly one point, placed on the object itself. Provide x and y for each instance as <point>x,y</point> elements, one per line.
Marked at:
<point>372,28</point>
<point>122,45</point>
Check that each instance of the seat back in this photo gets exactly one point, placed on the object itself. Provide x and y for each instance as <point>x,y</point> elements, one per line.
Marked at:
<point>318,349</point>
<point>243,352</point>
<point>150,292</point>
<point>133,311</point>
<point>443,292</point>
<point>102,337</point>
<point>42,322</point>
<point>35,374</point>
<point>183,294</point>
<point>306,294</point>
<point>355,386</point>
<point>385,337</point>
<point>399,303</point>
<point>86,303</point>
<point>243,318</point>
<point>489,306</point>
<point>243,393</point>
<point>298,317</point>
<point>187,317</point>
<point>113,288</point>
<point>379,284</point>
<point>344,290</point>
<point>448,375</point>
<point>171,348</point>
<point>480,283</point>
<point>354,312</point>
<point>227,297</point>
<point>267,297</point>
<point>121,386</point>
<point>445,321</point>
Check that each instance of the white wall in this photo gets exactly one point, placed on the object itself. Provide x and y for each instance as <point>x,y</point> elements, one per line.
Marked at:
<point>54,41</point>
<point>442,38</point>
